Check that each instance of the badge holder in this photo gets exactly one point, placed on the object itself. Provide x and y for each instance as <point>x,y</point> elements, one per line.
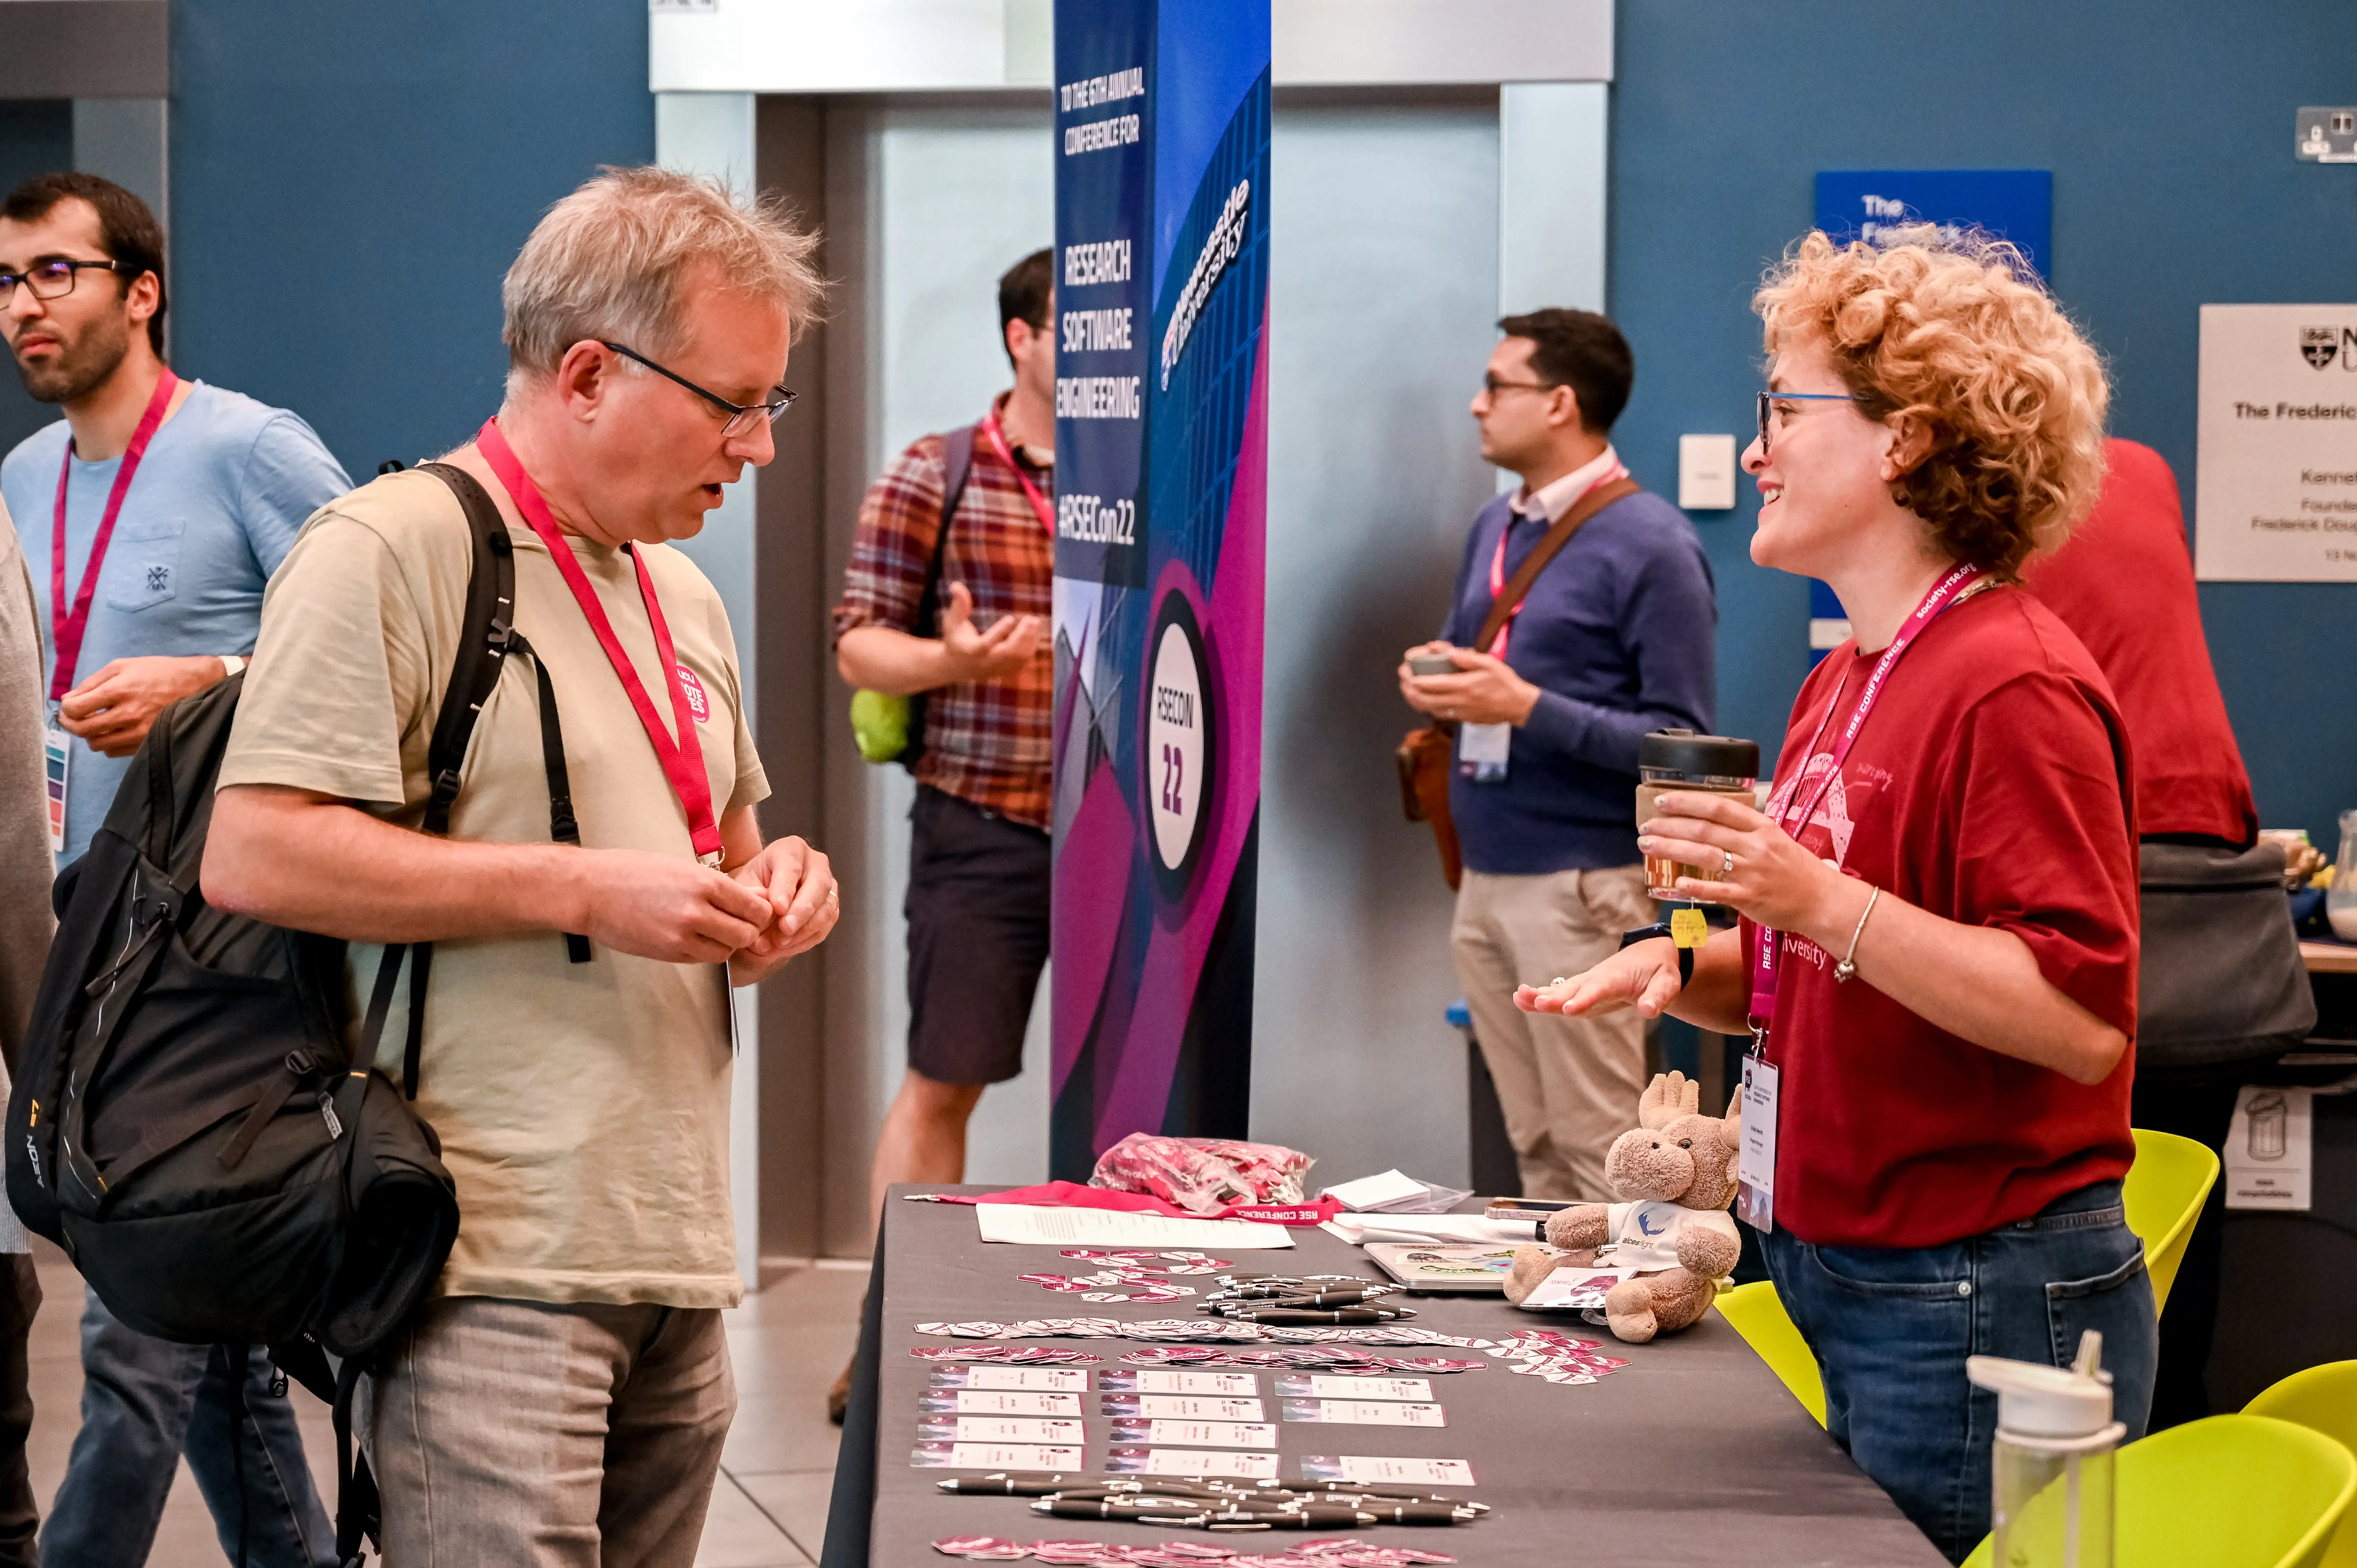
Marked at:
<point>57,756</point>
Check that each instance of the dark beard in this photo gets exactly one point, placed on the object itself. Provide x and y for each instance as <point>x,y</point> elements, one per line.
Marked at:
<point>83,366</point>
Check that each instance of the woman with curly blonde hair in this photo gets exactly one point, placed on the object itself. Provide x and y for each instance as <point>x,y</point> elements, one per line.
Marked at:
<point>1937,954</point>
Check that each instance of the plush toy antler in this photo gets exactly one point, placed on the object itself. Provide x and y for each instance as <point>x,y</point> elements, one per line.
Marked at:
<point>1670,1096</point>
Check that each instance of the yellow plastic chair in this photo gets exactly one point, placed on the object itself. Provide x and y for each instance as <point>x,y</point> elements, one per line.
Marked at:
<point>2164,1193</point>
<point>2234,1491</point>
<point>1759,1315</point>
<point>2322,1399</point>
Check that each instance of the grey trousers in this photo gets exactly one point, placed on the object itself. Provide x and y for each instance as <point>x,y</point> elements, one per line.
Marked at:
<point>521,1434</point>
<point>1567,1086</point>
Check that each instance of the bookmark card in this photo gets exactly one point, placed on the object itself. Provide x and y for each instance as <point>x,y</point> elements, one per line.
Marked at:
<point>1365,1412</point>
<point>1386,1470</point>
<point>1231,1385</point>
<point>1190,1462</point>
<point>1298,1383</point>
<point>1002,1429</point>
<point>1026,1379</point>
<point>1199,1434</point>
<point>985,1401</point>
<point>999,1457</point>
<point>1178,1407</point>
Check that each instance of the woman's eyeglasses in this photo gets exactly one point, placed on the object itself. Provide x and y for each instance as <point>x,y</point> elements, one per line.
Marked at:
<point>1767,398</point>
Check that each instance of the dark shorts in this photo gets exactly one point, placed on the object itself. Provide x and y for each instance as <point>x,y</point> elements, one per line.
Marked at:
<point>977,912</point>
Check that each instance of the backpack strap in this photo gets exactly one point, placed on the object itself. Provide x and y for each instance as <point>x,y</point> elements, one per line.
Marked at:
<point>957,467</point>
<point>562,827</point>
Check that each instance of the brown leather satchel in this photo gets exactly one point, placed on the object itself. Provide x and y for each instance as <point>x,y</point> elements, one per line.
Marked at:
<point>1427,756</point>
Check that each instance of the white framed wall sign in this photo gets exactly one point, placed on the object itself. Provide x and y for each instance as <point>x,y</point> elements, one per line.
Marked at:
<point>2275,481</point>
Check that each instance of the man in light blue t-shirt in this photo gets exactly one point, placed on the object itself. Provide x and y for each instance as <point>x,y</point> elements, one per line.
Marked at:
<point>214,501</point>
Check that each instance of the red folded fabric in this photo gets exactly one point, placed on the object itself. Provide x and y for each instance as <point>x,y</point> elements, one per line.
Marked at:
<point>1072,1195</point>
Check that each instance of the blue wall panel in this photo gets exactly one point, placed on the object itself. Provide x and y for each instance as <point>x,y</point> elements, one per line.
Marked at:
<point>2168,126</point>
<point>351,181</point>
<point>36,138</point>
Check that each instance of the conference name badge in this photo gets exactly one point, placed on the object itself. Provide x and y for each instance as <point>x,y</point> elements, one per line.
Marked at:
<point>56,755</point>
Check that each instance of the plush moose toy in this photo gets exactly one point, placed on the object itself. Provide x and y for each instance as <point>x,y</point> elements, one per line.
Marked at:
<point>1675,1173</point>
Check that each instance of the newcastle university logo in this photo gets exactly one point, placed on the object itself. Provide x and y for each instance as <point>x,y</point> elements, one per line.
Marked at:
<point>2317,343</point>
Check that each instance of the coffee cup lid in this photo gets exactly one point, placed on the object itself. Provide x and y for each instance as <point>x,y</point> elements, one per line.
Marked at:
<point>1687,752</point>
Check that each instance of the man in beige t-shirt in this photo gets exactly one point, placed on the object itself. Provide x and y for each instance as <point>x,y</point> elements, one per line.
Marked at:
<point>565,1399</point>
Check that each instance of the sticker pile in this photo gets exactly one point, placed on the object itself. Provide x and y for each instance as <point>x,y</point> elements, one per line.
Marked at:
<point>1545,1353</point>
<point>1129,1273</point>
<point>1186,1554</point>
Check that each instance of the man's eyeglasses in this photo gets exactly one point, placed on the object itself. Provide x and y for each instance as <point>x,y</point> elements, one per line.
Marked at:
<point>1493,386</point>
<point>741,417</point>
<point>50,280</point>
<point>1767,398</point>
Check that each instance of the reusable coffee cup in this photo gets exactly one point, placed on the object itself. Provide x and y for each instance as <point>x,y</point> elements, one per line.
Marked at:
<point>1679,759</point>
<point>1432,664</point>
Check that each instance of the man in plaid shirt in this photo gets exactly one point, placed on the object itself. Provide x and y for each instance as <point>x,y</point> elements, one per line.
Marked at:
<point>978,860</point>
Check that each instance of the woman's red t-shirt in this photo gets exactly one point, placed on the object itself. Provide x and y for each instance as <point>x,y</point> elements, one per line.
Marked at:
<point>1990,787</point>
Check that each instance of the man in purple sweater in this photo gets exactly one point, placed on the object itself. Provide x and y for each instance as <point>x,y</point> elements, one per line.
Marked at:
<point>1614,640</point>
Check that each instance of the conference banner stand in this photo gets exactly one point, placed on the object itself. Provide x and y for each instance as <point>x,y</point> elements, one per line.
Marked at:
<point>1162,127</point>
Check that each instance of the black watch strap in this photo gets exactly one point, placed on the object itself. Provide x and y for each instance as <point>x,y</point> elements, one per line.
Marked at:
<point>1647,933</point>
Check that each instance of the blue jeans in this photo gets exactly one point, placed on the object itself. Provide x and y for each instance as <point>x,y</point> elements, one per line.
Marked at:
<point>1891,1328</point>
<point>146,1402</point>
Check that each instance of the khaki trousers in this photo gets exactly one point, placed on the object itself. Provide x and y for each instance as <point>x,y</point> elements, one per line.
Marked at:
<point>1568,1086</point>
<point>521,1434</point>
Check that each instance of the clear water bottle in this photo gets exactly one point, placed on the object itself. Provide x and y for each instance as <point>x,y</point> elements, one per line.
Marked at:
<point>2341,898</point>
<point>2051,1464</point>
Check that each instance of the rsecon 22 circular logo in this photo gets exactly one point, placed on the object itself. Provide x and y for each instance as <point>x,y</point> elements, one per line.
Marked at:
<point>1179,754</point>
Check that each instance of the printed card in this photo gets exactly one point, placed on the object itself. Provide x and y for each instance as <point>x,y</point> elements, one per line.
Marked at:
<point>1204,1434</point>
<point>1012,1377</point>
<point>1386,1470</point>
<point>1354,1388</point>
<point>996,1457</point>
<point>1179,1407</point>
<point>1365,1412</point>
<point>988,1401</point>
<point>1001,1429</point>
<point>1190,1462</point>
<point>1234,1385</point>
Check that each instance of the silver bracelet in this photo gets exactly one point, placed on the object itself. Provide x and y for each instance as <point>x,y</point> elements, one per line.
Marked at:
<point>1848,965</point>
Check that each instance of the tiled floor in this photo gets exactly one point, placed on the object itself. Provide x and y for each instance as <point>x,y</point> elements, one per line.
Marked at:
<point>769,1509</point>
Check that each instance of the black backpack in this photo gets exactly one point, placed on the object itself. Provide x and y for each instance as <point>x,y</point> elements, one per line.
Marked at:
<point>188,1121</point>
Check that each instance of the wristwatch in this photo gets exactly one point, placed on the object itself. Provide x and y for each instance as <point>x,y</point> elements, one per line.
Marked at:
<point>1685,955</point>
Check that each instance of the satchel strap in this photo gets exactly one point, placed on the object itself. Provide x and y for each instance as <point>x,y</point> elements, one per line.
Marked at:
<point>1518,586</point>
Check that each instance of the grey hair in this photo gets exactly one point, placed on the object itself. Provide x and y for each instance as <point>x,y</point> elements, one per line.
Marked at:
<point>612,259</point>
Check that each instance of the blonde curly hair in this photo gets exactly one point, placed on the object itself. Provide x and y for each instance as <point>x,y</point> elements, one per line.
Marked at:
<point>1943,327</point>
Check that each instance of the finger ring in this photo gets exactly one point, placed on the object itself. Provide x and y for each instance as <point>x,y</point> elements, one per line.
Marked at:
<point>1558,979</point>
<point>829,893</point>
<point>1727,866</point>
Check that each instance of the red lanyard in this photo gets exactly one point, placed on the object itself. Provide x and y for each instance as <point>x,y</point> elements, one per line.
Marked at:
<point>1769,959</point>
<point>1498,561</point>
<point>998,444</point>
<point>682,760</point>
<point>67,626</point>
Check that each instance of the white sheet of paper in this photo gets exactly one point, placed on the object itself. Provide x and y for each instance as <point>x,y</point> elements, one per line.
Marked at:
<point>2270,1148</point>
<point>1358,1228</point>
<point>1380,1469</point>
<point>1201,1433</point>
<point>1002,1429</point>
<point>1230,1384</point>
<point>1365,1412</point>
<point>1196,1461</point>
<point>1570,1288</point>
<point>1188,1407</point>
<point>1001,1456</point>
<point>1326,1387</point>
<point>994,1402</point>
<point>1388,1186</point>
<point>1059,1378</point>
<point>1035,1225</point>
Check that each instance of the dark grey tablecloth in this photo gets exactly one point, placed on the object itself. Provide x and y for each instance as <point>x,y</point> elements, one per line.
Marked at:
<point>1691,1454</point>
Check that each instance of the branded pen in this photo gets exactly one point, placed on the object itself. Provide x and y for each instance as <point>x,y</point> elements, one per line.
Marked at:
<point>1004,1486</point>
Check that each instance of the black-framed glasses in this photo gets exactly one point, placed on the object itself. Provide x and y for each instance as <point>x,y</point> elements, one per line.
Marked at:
<point>1493,386</point>
<point>54,278</point>
<point>1768,397</point>
<point>741,416</point>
